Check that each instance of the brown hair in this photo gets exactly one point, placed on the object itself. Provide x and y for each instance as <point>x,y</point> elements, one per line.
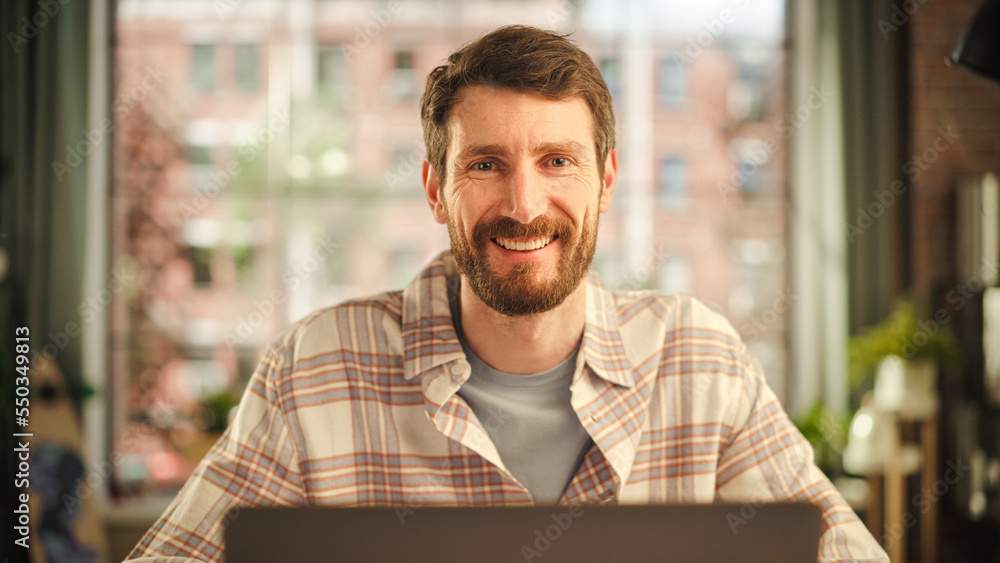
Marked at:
<point>523,59</point>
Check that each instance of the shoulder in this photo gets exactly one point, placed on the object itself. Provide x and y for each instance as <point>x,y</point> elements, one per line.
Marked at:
<point>682,339</point>
<point>670,319</point>
<point>341,327</point>
<point>330,353</point>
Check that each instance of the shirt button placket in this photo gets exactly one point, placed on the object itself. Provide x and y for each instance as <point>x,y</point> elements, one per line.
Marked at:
<point>457,372</point>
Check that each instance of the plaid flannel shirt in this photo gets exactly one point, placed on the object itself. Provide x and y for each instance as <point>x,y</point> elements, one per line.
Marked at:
<point>356,405</point>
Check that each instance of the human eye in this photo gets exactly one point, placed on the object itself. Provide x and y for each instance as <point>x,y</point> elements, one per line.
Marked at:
<point>483,166</point>
<point>559,161</point>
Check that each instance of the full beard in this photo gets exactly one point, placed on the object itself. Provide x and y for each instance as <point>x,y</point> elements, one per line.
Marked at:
<point>519,292</point>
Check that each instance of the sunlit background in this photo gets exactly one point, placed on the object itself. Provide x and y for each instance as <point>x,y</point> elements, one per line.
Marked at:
<point>273,165</point>
<point>181,180</point>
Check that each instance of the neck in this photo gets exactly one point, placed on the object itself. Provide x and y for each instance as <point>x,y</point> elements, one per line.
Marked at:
<point>527,344</point>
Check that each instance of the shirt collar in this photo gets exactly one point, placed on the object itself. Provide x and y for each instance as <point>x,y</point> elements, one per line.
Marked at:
<point>429,338</point>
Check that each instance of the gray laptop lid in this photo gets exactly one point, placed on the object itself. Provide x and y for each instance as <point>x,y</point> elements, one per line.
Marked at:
<point>749,533</point>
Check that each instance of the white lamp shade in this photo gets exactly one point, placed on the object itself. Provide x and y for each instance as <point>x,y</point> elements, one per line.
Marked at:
<point>871,441</point>
<point>906,387</point>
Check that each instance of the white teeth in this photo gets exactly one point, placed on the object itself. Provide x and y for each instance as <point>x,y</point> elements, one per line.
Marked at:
<point>520,245</point>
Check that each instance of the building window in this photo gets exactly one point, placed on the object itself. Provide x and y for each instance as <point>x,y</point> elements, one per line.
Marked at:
<point>201,258</point>
<point>332,77</point>
<point>750,176</point>
<point>359,144</point>
<point>202,237</point>
<point>200,159</point>
<point>201,377</point>
<point>244,259</point>
<point>746,99</point>
<point>751,158</point>
<point>203,67</point>
<point>611,71</point>
<point>247,67</point>
<point>199,155</point>
<point>673,193</point>
<point>672,86</point>
<point>404,78</point>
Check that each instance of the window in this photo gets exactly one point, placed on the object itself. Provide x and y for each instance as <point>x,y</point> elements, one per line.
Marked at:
<point>750,174</point>
<point>202,236</point>
<point>759,300</point>
<point>673,192</point>
<point>199,155</point>
<point>203,67</point>
<point>202,376</point>
<point>672,86</point>
<point>199,159</point>
<point>317,163</point>
<point>404,79</point>
<point>332,76</point>
<point>746,99</point>
<point>201,265</point>
<point>243,256</point>
<point>751,157</point>
<point>611,74</point>
<point>402,173</point>
<point>247,67</point>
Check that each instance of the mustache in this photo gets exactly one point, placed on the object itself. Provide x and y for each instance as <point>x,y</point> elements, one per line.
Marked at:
<point>505,227</point>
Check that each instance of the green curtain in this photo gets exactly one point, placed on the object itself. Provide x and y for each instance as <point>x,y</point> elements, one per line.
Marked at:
<point>874,58</point>
<point>845,269</point>
<point>43,108</point>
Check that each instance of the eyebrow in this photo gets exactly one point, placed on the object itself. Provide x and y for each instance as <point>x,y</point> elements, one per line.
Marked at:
<point>481,150</point>
<point>474,151</point>
<point>572,147</point>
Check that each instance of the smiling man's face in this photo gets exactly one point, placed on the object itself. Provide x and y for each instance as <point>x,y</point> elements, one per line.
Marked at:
<point>522,195</point>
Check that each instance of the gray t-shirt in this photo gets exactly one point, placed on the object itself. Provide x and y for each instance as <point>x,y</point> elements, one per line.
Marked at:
<point>528,417</point>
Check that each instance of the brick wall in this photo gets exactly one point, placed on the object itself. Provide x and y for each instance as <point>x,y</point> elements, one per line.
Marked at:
<point>949,103</point>
<point>954,101</point>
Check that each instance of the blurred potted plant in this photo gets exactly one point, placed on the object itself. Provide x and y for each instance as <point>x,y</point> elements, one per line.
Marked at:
<point>903,354</point>
<point>826,432</point>
<point>211,421</point>
<point>900,357</point>
<point>216,409</point>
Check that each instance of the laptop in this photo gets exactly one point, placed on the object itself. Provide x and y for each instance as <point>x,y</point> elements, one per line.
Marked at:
<point>709,533</point>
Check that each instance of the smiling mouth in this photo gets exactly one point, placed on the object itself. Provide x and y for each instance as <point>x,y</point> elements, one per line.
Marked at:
<point>524,246</point>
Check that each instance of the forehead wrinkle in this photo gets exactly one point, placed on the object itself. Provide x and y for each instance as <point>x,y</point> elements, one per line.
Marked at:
<point>546,147</point>
<point>497,135</point>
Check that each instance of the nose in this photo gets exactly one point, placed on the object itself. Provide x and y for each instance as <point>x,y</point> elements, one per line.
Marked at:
<point>525,198</point>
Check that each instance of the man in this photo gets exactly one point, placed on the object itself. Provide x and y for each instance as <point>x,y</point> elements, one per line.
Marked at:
<point>504,374</point>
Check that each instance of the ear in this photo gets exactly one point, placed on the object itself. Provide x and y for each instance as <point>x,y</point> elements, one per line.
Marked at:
<point>610,177</point>
<point>432,189</point>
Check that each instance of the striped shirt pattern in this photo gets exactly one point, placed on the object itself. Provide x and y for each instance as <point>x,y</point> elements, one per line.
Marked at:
<point>356,405</point>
